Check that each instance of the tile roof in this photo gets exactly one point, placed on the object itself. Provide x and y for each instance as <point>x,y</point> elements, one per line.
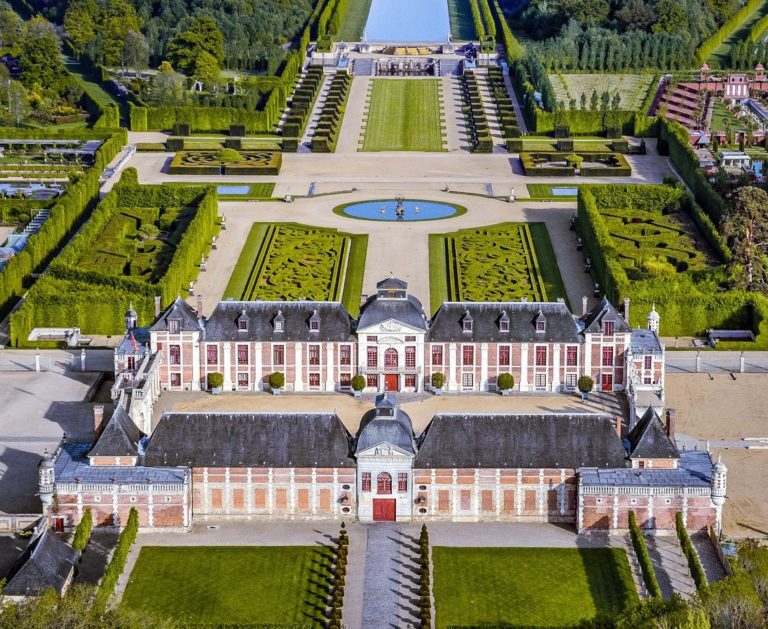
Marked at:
<point>525,441</point>
<point>120,436</point>
<point>250,439</point>
<point>694,470</point>
<point>604,311</point>
<point>648,439</point>
<point>180,310</point>
<point>560,326</point>
<point>72,466</point>
<point>378,309</point>
<point>47,562</point>
<point>335,322</point>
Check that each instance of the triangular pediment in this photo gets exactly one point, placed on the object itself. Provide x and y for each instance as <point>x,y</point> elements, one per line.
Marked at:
<point>384,449</point>
<point>390,326</point>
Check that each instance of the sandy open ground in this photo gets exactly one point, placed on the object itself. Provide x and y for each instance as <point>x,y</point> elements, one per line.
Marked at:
<point>723,408</point>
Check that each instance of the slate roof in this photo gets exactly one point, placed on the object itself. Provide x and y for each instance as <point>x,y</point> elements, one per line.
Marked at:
<point>386,424</point>
<point>648,439</point>
<point>335,322</point>
<point>250,439</point>
<point>181,310</point>
<point>525,441</point>
<point>120,436</point>
<point>378,309</point>
<point>72,466</point>
<point>560,327</point>
<point>46,563</point>
<point>694,470</point>
<point>604,311</point>
<point>645,342</point>
<point>392,282</point>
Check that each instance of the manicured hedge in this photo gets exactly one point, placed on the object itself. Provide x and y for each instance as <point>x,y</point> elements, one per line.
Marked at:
<point>83,531</point>
<point>264,163</point>
<point>583,121</point>
<point>66,213</point>
<point>694,565</point>
<point>301,106</point>
<point>117,563</point>
<point>621,169</point>
<point>332,114</point>
<point>729,27</point>
<point>94,301</point>
<point>643,558</point>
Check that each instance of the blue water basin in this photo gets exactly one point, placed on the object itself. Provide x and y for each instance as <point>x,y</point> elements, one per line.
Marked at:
<point>564,192</point>
<point>384,210</point>
<point>233,189</point>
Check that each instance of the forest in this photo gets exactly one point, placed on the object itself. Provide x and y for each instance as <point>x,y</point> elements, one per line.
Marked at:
<point>618,35</point>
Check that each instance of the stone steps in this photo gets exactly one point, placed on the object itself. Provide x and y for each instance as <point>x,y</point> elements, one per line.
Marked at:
<point>671,567</point>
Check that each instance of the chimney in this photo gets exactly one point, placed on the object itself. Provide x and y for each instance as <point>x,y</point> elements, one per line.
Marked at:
<point>626,311</point>
<point>671,413</point>
<point>199,306</point>
<point>157,306</point>
<point>98,418</point>
<point>618,426</point>
<point>584,303</point>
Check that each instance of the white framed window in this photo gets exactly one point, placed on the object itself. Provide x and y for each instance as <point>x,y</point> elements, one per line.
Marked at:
<point>541,381</point>
<point>570,380</point>
<point>467,380</point>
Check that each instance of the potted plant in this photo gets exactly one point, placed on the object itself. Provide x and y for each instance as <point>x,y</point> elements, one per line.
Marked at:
<point>585,385</point>
<point>358,384</point>
<point>438,380</point>
<point>505,382</point>
<point>215,382</point>
<point>276,382</point>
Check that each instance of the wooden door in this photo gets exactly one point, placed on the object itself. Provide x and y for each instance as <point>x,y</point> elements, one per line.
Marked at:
<point>607,382</point>
<point>384,510</point>
<point>391,382</point>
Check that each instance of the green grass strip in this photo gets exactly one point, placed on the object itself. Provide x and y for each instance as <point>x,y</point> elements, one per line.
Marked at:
<point>529,587</point>
<point>438,279</point>
<point>245,263</point>
<point>353,276</point>
<point>547,262</point>
<point>354,20</point>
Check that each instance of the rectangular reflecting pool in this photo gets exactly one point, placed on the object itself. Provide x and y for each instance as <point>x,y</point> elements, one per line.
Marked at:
<point>233,189</point>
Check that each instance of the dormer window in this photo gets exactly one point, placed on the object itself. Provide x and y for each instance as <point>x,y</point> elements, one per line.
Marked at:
<point>541,323</point>
<point>504,322</point>
<point>279,321</point>
<point>608,328</point>
<point>314,322</point>
<point>242,322</point>
<point>466,323</point>
<point>174,325</point>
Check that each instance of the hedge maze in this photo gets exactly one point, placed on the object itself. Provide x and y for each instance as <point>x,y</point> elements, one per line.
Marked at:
<point>289,261</point>
<point>141,241</point>
<point>497,263</point>
<point>226,162</point>
<point>559,164</point>
<point>404,115</point>
<point>332,114</point>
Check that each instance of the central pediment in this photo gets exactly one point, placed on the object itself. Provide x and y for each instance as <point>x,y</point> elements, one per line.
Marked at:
<point>390,326</point>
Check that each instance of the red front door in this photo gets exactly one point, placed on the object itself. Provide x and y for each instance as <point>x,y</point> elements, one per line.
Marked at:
<point>384,510</point>
<point>391,382</point>
<point>607,382</point>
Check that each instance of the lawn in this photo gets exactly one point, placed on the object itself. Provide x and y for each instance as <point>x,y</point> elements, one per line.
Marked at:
<point>531,587</point>
<point>462,26</point>
<point>288,261</point>
<point>543,191</point>
<point>353,22</point>
<point>505,262</point>
<point>633,88</point>
<point>723,118</point>
<point>404,115</point>
<point>721,57</point>
<point>227,585</point>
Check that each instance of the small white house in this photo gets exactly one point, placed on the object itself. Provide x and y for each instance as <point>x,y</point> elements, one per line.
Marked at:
<point>734,159</point>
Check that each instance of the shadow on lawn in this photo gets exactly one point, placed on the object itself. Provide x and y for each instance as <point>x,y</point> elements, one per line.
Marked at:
<point>609,578</point>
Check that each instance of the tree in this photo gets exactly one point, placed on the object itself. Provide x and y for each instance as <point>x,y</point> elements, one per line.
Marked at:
<point>357,382</point>
<point>135,52</point>
<point>670,17</point>
<point>746,228</point>
<point>594,100</point>
<point>41,61</point>
<point>207,70</point>
<point>585,384</point>
<point>505,381</point>
<point>583,100</point>
<point>636,16</point>
<point>81,21</point>
<point>10,28</point>
<point>616,102</point>
<point>17,102</point>
<point>168,85</point>
<point>118,18</point>
<point>203,36</point>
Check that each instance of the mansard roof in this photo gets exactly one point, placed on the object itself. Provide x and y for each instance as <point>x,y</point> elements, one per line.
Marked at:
<point>561,326</point>
<point>604,311</point>
<point>250,440</point>
<point>181,311</point>
<point>378,309</point>
<point>525,441</point>
<point>648,439</point>
<point>386,424</point>
<point>392,282</point>
<point>47,562</point>
<point>120,437</point>
<point>335,322</point>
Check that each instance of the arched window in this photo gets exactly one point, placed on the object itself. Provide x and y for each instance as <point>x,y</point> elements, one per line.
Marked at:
<point>384,483</point>
<point>390,359</point>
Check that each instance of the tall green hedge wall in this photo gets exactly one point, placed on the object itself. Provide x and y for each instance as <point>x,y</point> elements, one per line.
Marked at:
<point>688,303</point>
<point>95,302</point>
<point>66,213</point>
